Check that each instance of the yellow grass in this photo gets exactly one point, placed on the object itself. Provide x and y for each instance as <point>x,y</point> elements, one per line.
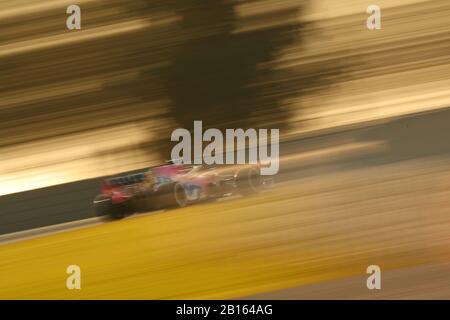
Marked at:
<point>225,250</point>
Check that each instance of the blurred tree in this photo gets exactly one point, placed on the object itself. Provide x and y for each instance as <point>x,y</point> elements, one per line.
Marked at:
<point>221,64</point>
<point>217,74</point>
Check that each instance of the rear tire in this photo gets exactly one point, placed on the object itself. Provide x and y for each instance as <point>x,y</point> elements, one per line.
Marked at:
<point>119,211</point>
<point>104,207</point>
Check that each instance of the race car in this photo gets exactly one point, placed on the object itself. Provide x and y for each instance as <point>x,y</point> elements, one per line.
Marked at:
<point>176,185</point>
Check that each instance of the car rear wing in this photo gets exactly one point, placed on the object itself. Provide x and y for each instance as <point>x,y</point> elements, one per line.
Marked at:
<point>115,182</point>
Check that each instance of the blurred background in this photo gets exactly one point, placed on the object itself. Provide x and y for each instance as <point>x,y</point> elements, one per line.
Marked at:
<point>363,117</point>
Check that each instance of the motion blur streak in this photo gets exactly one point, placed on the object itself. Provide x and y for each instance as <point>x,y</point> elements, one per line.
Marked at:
<point>27,7</point>
<point>60,40</point>
<point>364,125</point>
<point>316,230</point>
<point>53,84</point>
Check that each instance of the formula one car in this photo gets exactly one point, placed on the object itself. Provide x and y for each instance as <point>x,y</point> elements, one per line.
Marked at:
<point>176,185</point>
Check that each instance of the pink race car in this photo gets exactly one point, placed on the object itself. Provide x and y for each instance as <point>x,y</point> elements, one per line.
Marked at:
<point>176,185</point>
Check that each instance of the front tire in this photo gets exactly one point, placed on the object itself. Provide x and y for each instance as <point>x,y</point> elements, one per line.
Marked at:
<point>180,195</point>
<point>249,181</point>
